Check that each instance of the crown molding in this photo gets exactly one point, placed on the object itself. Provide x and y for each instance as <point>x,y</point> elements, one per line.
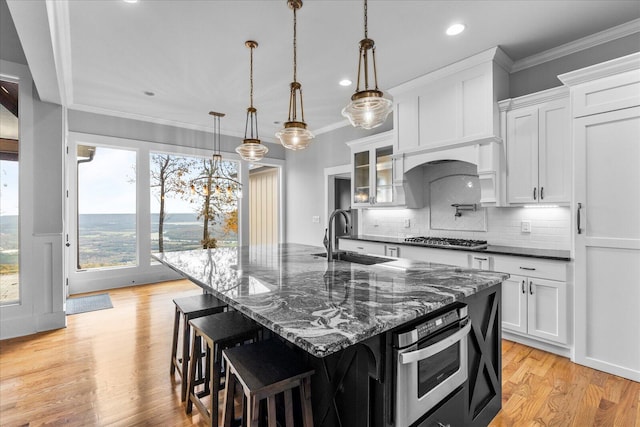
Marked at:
<point>333,126</point>
<point>587,42</point>
<point>605,69</point>
<point>560,92</point>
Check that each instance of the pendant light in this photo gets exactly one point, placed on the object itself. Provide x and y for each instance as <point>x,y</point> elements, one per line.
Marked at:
<point>295,135</point>
<point>368,108</point>
<point>251,149</point>
<point>218,178</point>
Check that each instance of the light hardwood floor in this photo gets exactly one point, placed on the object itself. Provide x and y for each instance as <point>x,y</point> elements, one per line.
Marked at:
<point>111,367</point>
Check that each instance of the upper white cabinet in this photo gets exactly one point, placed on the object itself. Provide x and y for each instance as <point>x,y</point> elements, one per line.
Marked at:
<point>451,106</point>
<point>538,147</point>
<point>377,179</point>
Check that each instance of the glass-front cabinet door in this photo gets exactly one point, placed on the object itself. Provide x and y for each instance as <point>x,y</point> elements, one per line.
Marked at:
<point>384,175</point>
<point>362,178</point>
<point>373,175</point>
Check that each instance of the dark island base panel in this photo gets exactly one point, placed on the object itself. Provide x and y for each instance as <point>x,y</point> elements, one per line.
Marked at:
<point>354,387</point>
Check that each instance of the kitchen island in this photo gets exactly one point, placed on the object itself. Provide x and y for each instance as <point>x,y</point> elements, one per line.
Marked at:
<point>341,315</point>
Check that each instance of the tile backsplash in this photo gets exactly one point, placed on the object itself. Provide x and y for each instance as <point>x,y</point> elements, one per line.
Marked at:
<point>550,227</point>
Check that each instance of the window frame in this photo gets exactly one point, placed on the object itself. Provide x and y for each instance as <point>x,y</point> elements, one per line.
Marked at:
<point>146,271</point>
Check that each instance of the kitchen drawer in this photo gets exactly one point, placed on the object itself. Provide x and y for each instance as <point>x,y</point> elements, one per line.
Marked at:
<point>440,256</point>
<point>531,267</point>
<point>361,246</point>
<point>451,413</point>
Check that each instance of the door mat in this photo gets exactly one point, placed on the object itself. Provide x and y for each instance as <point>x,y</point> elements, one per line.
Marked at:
<point>88,303</point>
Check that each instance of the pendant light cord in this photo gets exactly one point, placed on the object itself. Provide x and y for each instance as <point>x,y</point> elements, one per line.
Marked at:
<point>295,63</point>
<point>251,78</point>
<point>366,32</point>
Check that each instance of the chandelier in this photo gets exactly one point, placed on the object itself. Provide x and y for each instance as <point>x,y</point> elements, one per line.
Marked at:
<point>251,149</point>
<point>368,108</point>
<point>217,180</point>
<point>295,135</point>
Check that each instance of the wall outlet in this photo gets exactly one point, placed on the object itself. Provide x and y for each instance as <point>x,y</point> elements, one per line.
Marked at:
<point>525,226</point>
<point>407,223</point>
<point>315,218</point>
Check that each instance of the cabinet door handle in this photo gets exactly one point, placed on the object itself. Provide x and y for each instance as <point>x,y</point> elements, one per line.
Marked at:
<point>527,268</point>
<point>541,193</point>
<point>523,290</point>
<point>531,288</point>
<point>534,193</point>
<point>578,217</point>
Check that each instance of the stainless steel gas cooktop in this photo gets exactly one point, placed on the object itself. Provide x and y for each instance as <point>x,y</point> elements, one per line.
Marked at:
<point>438,242</point>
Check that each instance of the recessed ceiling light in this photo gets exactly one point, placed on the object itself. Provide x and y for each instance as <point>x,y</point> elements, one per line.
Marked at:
<point>345,82</point>
<point>148,93</point>
<point>455,29</point>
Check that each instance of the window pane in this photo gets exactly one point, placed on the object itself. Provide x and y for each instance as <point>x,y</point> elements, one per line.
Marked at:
<point>9,209</point>
<point>181,188</point>
<point>106,207</point>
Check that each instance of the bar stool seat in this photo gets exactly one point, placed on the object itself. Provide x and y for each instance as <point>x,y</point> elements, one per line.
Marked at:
<point>188,308</point>
<point>218,331</point>
<point>265,369</point>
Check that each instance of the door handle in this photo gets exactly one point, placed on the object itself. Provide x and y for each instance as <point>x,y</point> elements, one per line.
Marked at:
<point>578,217</point>
<point>523,290</point>
<point>531,288</point>
<point>541,193</point>
<point>534,193</point>
<point>423,353</point>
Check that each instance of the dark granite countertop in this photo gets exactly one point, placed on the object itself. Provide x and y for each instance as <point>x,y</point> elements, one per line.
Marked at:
<point>553,254</point>
<point>324,307</point>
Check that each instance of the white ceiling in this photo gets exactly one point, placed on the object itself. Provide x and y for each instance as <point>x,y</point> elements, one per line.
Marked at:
<point>191,54</point>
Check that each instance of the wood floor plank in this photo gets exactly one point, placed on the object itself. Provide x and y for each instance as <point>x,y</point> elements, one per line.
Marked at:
<point>110,367</point>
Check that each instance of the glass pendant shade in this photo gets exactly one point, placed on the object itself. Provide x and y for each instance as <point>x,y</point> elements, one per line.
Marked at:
<point>251,149</point>
<point>368,108</point>
<point>295,135</point>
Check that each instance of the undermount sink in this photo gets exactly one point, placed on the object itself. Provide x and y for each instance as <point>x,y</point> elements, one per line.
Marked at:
<point>356,258</point>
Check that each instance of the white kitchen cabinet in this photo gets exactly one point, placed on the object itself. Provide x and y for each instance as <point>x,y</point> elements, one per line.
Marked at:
<point>534,298</point>
<point>605,101</point>
<point>538,148</point>
<point>480,261</point>
<point>440,256</point>
<point>376,180</point>
<point>451,106</point>
<point>361,246</point>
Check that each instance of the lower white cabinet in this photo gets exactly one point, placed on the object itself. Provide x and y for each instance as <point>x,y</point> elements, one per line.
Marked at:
<point>361,246</point>
<point>535,304</point>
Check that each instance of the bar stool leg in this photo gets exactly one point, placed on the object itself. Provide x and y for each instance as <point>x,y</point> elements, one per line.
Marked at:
<point>195,357</point>
<point>305,401</point>
<point>288,408</point>
<point>174,347</point>
<point>230,391</point>
<point>271,410</point>
<point>253,411</point>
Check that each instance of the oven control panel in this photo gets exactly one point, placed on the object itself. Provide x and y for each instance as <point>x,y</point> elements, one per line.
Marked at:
<point>430,326</point>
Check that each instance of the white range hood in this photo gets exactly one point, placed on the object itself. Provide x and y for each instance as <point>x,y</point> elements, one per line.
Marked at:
<point>452,114</point>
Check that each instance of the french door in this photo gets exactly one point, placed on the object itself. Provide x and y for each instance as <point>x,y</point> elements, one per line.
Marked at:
<point>607,241</point>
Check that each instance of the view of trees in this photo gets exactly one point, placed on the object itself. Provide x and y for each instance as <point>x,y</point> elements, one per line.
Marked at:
<point>202,183</point>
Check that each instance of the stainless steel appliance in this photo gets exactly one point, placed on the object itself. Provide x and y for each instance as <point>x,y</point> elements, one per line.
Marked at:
<point>430,363</point>
<point>438,242</point>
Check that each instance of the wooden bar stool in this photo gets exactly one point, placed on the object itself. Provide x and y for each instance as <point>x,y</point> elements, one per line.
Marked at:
<point>265,369</point>
<point>189,308</point>
<point>217,332</point>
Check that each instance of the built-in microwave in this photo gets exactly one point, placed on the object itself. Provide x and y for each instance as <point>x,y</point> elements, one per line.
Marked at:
<point>430,362</point>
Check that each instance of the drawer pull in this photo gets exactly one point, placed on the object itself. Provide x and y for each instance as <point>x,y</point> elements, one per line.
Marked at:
<point>480,259</point>
<point>360,247</point>
<point>527,268</point>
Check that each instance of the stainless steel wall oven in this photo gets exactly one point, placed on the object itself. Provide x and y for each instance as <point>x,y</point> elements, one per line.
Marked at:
<point>430,361</point>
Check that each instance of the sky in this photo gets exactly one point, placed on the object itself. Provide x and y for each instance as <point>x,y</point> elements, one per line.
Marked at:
<point>8,187</point>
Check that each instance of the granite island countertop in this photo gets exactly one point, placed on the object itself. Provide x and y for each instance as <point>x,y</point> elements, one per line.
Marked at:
<point>323,307</point>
